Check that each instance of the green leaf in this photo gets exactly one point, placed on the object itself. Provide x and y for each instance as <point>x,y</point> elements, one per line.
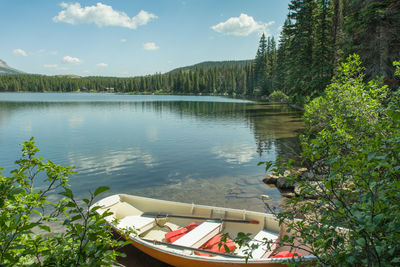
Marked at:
<point>226,248</point>
<point>76,217</point>
<point>68,193</point>
<point>45,228</point>
<point>7,223</point>
<point>378,218</point>
<point>360,242</point>
<point>268,166</point>
<point>100,190</point>
<point>37,212</point>
<point>396,260</point>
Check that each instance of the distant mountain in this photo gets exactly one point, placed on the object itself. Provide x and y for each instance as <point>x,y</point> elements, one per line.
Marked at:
<point>214,64</point>
<point>71,76</point>
<point>5,69</point>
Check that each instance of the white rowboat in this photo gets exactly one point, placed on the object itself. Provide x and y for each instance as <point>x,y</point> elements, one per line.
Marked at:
<point>151,219</point>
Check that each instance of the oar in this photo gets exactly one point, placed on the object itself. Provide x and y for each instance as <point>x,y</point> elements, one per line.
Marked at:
<point>157,215</point>
<point>189,248</point>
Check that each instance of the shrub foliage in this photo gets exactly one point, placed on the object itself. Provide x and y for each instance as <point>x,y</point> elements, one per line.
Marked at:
<point>352,141</point>
<point>26,216</point>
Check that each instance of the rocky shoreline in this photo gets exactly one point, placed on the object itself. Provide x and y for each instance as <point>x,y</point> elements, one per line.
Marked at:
<point>289,187</point>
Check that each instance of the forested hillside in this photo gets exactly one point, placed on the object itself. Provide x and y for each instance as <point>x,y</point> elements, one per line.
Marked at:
<point>224,80</point>
<point>208,65</point>
<point>316,36</point>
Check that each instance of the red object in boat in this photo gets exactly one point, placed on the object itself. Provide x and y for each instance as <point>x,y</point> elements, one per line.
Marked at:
<point>286,254</point>
<point>175,235</point>
<point>213,245</point>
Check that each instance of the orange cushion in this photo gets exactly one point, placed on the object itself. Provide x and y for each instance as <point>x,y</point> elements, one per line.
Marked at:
<point>175,235</point>
<point>286,254</point>
<point>213,245</point>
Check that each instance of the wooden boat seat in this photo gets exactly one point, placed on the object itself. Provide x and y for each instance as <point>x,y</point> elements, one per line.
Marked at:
<point>259,239</point>
<point>199,235</point>
<point>137,223</point>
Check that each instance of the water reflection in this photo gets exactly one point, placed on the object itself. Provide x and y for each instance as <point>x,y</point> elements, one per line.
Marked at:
<point>110,162</point>
<point>236,153</point>
<point>193,151</point>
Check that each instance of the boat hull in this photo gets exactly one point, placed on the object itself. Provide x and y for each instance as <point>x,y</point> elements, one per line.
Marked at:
<point>176,260</point>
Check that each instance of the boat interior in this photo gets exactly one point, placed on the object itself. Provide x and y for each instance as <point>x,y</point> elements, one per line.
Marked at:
<point>151,220</point>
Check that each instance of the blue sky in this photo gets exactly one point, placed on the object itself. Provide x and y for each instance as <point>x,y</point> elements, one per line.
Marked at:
<point>135,37</point>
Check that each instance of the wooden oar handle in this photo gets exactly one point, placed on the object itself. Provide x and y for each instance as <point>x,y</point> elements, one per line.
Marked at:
<point>156,215</point>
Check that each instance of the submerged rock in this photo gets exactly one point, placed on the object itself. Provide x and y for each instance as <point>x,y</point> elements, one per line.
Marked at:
<point>284,184</point>
<point>271,178</point>
<point>288,194</point>
<point>251,181</point>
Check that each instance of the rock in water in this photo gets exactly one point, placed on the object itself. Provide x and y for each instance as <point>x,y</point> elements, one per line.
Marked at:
<point>271,179</point>
<point>288,194</point>
<point>284,184</point>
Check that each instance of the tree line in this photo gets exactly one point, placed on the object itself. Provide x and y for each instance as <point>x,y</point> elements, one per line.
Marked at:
<point>225,80</point>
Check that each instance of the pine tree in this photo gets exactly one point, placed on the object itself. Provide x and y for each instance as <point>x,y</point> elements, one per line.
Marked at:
<point>260,64</point>
<point>322,63</point>
<point>299,49</point>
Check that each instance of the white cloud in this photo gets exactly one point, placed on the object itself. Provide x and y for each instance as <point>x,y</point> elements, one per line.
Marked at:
<point>71,60</point>
<point>101,15</point>
<point>102,64</point>
<point>50,66</point>
<point>123,40</point>
<point>20,52</point>
<point>241,26</point>
<point>53,53</point>
<point>150,46</point>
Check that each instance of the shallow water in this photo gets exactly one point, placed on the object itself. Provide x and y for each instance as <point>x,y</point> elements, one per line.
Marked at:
<point>184,148</point>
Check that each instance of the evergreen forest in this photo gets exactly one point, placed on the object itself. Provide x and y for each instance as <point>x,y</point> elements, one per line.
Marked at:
<point>316,36</point>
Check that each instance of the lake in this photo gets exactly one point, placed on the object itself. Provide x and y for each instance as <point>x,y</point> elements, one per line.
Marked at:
<point>199,149</point>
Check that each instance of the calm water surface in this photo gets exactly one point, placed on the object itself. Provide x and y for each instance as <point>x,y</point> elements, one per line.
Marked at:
<point>185,148</point>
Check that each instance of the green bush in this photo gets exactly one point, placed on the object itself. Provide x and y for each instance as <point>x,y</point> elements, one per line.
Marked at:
<point>353,134</point>
<point>26,212</point>
<point>278,96</point>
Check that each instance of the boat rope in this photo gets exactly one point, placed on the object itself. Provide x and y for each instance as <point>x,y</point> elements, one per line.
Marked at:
<point>192,209</point>
<point>162,226</point>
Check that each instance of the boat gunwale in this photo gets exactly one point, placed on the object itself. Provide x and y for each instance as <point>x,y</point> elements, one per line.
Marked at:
<point>205,206</point>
